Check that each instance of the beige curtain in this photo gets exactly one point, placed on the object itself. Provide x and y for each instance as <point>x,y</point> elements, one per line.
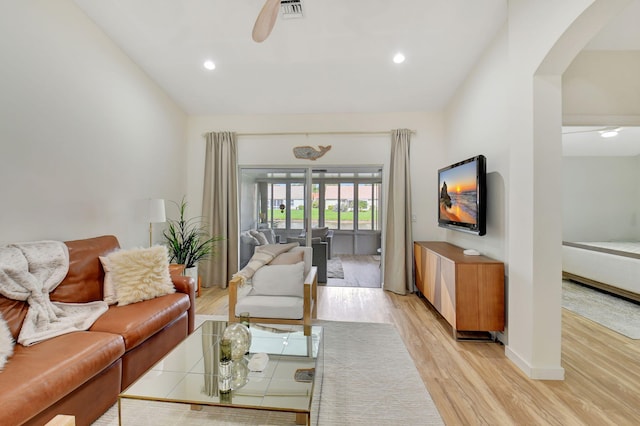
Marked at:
<point>220,207</point>
<point>398,246</point>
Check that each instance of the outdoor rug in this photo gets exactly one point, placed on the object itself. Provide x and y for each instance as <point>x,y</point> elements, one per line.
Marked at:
<point>369,379</point>
<point>613,312</point>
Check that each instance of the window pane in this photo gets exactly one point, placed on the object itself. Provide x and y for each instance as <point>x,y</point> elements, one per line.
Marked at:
<point>376,207</point>
<point>297,206</point>
<point>365,201</point>
<point>331,205</point>
<point>278,199</point>
<point>315,205</point>
<point>346,206</point>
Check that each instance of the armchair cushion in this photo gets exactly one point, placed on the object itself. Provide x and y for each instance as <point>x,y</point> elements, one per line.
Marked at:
<point>320,232</point>
<point>279,280</point>
<point>285,307</point>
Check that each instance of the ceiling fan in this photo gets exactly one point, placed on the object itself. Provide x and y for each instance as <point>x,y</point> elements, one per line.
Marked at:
<point>266,20</point>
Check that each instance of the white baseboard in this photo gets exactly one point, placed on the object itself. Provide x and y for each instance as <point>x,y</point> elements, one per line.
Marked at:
<point>537,373</point>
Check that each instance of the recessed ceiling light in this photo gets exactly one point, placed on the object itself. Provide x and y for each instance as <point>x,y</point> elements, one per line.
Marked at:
<point>398,58</point>
<point>210,65</point>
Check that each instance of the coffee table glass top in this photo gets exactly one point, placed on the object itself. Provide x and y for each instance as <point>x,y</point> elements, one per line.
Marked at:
<point>189,373</point>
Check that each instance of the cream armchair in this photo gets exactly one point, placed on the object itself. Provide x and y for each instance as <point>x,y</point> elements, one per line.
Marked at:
<point>278,294</point>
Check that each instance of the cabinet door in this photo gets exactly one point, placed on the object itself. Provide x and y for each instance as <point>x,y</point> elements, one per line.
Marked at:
<point>491,297</point>
<point>480,297</point>
<point>420,259</point>
<point>432,278</point>
<point>467,298</point>
<point>448,290</point>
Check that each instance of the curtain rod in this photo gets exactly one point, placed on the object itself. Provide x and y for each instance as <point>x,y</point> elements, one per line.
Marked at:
<point>379,132</point>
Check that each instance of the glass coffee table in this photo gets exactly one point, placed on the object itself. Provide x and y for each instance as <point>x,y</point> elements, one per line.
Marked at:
<point>189,373</point>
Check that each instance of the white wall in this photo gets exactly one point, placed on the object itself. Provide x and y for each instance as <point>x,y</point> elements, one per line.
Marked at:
<point>602,88</point>
<point>475,125</point>
<point>426,149</point>
<point>600,198</point>
<point>85,136</point>
<point>542,38</point>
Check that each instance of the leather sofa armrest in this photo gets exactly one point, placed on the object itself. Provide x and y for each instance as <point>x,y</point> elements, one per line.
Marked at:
<point>187,285</point>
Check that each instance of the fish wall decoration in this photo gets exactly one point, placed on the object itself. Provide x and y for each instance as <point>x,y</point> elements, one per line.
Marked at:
<point>309,152</point>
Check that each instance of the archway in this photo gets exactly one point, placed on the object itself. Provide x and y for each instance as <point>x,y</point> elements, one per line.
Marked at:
<point>536,67</point>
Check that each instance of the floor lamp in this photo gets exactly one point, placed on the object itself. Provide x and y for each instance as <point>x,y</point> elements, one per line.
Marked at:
<point>156,215</point>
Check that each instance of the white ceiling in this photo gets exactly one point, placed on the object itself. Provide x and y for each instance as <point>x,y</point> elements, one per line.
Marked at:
<point>335,59</point>
<point>585,141</point>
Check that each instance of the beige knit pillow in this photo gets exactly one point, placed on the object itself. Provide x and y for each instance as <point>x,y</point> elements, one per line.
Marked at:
<point>140,274</point>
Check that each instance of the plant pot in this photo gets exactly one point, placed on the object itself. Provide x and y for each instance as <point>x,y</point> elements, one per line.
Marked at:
<point>176,269</point>
<point>193,273</point>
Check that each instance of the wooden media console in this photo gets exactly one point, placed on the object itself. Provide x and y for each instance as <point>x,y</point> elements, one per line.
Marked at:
<point>468,291</point>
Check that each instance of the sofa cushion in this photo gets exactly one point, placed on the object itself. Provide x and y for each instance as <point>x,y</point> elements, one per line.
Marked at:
<point>83,282</point>
<point>140,274</point>
<point>14,312</point>
<point>268,234</point>
<point>109,289</point>
<point>38,376</point>
<point>279,280</point>
<point>262,240</point>
<point>286,307</point>
<point>139,321</point>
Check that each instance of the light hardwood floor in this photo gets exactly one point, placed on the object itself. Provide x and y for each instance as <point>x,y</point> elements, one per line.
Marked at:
<point>474,383</point>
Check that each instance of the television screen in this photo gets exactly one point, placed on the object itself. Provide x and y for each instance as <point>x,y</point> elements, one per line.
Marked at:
<point>462,195</point>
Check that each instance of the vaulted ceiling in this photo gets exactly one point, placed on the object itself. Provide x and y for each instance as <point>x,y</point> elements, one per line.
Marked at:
<point>336,58</point>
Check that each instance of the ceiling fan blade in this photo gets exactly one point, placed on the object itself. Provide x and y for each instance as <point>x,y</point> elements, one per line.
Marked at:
<point>266,20</point>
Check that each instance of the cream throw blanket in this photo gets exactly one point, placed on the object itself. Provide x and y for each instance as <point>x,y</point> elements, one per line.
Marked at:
<point>29,272</point>
<point>263,255</point>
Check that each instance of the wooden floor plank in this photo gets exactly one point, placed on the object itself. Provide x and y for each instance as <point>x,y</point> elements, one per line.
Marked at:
<point>474,383</point>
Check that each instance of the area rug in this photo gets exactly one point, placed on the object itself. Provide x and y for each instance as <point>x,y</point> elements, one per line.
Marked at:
<point>357,271</point>
<point>613,312</point>
<point>334,268</point>
<point>369,379</point>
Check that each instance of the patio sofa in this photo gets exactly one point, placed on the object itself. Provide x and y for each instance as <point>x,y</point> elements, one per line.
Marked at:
<point>81,373</point>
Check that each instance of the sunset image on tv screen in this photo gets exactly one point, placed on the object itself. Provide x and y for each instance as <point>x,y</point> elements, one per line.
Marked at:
<point>458,194</point>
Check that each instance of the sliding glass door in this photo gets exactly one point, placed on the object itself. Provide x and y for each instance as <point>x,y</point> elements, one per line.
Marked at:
<point>290,201</point>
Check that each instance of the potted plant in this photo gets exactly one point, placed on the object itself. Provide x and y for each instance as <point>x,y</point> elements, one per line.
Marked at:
<point>188,242</point>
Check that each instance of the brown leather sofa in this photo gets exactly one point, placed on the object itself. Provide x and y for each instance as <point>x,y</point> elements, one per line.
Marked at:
<point>82,373</point>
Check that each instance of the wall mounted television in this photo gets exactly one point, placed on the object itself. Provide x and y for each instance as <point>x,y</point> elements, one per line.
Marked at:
<point>462,193</point>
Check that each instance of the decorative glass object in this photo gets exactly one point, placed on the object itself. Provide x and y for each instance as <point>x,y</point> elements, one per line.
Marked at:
<point>225,367</point>
<point>240,338</point>
<point>239,374</point>
<point>245,318</point>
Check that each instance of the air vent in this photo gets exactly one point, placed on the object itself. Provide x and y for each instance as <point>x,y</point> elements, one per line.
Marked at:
<point>291,9</point>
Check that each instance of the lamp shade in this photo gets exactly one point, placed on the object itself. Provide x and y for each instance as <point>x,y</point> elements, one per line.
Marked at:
<point>156,211</point>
